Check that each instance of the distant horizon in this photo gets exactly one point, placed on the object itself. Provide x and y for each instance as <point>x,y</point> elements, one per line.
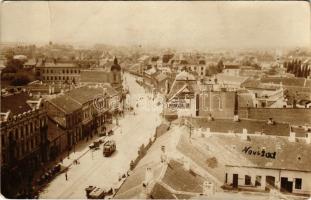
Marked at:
<point>77,44</point>
<point>200,25</point>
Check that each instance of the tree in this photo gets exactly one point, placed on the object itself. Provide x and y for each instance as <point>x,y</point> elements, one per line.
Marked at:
<point>220,66</point>
<point>20,79</point>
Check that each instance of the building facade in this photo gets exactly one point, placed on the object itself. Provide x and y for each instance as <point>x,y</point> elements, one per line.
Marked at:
<point>23,140</point>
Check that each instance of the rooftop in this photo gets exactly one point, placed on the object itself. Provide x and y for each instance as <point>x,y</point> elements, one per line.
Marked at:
<point>252,126</point>
<point>84,94</point>
<point>66,65</point>
<point>289,155</point>
<point>296,82</point>
<point>231,79</point>
<point>16,103</point>
<point>65,103</point>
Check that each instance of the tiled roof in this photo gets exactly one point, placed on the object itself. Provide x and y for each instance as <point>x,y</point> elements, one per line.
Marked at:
<point>65,103</point>
<point>58,65</point>
<point>231,79</point>
<point>289,155</point>
<point>172,175</point>
<point>110,90</point>
<point>251,83</point>
<point>252,126</point>
<point>298,116</point>
<point>84,94</point>
<point>297,82</point>
<point>16,103</point>
<point>180,179</point>
<point>178,86</point>
<point>160,192</point>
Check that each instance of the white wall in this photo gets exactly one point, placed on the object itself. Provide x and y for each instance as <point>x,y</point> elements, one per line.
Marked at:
<point>253,172</point>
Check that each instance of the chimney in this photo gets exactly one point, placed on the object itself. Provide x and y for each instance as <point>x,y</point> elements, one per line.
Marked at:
<point>146,189</point>
<point>236,118</point>
<point>163,154</point>
<point>292,137</point>
<point>148,177</point>
<point>270,121</point>
<point>308,138</point>
<point>186,164</point>
<point>244,134</point>
<point>208,188</point>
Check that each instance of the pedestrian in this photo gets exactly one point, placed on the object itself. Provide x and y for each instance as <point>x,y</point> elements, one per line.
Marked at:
<point>66,176</point>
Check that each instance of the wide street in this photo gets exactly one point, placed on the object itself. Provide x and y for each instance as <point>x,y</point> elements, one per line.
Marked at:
<point>95,169</point>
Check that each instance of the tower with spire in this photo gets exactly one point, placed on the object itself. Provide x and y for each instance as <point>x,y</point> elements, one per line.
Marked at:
<point>116,80</point>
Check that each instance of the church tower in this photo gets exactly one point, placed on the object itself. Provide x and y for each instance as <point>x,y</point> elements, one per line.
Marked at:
<point>116,80</point>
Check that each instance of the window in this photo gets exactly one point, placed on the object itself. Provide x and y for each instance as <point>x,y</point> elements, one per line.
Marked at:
<point>258,181</point>
<point>63,71</point>
<point>22,132</point>
<point>16,134</point>
<point>2,139</point>
<point>298,183</point>
<point>47,78</point>
<point>226,179</point>
<point>247,180</point>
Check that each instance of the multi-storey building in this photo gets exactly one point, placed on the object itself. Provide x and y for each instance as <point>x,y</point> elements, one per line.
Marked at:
<point>58,72</point>
<point>23,139</point>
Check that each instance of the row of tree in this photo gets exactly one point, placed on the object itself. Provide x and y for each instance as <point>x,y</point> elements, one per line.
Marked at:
<point>297,68</point>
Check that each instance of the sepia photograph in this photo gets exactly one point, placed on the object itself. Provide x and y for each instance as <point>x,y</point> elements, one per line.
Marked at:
<point>155,100</point>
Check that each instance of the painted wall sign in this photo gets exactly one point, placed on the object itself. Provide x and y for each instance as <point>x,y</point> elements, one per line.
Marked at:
<point>262,153</point>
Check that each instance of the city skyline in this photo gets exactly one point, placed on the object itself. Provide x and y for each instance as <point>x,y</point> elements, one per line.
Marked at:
<point>199,25</point>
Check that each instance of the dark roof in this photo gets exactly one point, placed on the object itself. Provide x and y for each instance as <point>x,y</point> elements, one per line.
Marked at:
<point>173,175</point>
<point>65,103</point>
<point>252,126</point>
<point>132,187</point>
<point>297,82</point>
<point>84,94</point>
<point>182,180</point>
<point>160,192</point>
<point>293,116</point>
<point>16,103</point>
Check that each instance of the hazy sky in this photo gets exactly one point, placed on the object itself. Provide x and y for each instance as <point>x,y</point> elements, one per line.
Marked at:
<point>166,24</point>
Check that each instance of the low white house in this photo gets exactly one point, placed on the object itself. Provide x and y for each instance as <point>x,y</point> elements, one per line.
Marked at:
<point>281,163</point>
